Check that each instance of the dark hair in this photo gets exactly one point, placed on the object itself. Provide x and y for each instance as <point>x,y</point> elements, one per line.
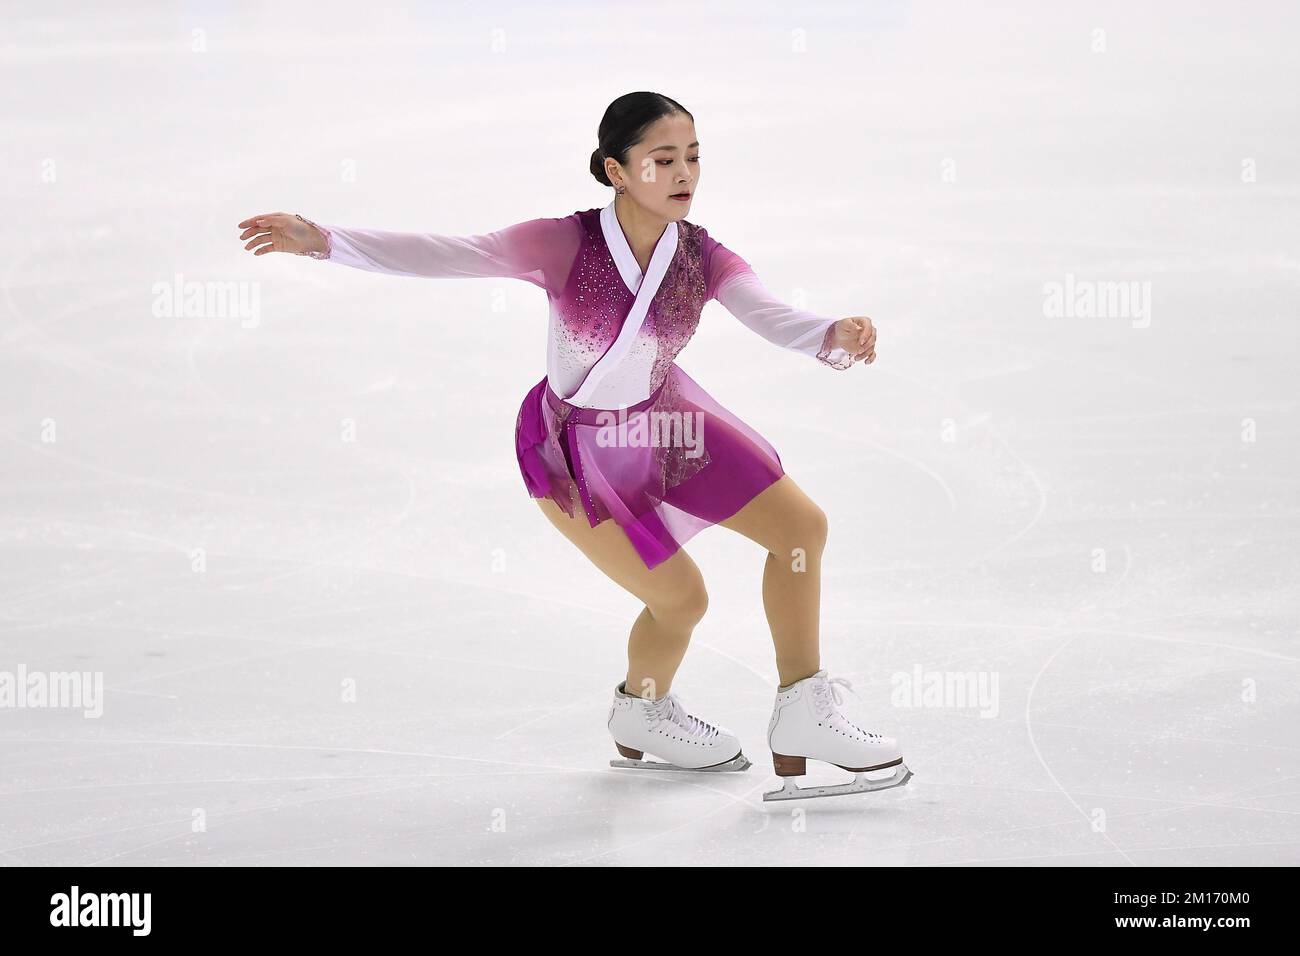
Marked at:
<point>624,124</point>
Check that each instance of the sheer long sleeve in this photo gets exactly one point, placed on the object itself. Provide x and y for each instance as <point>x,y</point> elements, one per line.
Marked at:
<point>540,251</point>
<point>732,281</point>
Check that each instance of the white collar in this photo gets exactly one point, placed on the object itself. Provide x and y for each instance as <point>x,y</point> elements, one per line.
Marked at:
<point>622,252</point>
<point>643,289</point>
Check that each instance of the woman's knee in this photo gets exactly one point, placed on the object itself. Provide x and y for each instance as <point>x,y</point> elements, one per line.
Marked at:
<point>682,606</point>
<point>804,531</point>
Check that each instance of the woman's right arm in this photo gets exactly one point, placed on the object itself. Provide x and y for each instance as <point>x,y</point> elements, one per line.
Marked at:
<point>540,251</point>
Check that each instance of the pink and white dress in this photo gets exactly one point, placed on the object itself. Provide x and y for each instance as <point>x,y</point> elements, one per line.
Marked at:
<point>615,427</point>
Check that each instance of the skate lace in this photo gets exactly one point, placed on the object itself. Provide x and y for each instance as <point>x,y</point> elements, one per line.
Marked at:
<point>826,697</point>
<point>671,709</point>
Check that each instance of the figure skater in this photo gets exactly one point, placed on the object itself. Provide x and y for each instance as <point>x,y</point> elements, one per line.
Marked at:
<point>616,430</point>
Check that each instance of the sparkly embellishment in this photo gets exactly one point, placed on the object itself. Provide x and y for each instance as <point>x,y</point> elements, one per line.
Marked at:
<point>329,247</point>
<point>591,309</point>
<point>825,354</point>
<point>675,312</point>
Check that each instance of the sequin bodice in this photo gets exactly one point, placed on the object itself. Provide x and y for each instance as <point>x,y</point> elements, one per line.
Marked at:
<point>591,310</point>
<point>675,313</point>
<point>587,315</point>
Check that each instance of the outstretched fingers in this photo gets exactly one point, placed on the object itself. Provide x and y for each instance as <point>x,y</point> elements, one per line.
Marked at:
<point>261,243</point>
<point>262,233</point>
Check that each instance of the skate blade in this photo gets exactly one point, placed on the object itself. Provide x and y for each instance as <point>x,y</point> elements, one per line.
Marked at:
<point>734,765</point>
<point>861,784</point>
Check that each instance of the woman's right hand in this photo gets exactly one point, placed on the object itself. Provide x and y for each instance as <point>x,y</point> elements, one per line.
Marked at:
<point>282,232</point>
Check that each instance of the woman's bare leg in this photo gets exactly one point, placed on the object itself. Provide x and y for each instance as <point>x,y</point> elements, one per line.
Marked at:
<point>673,594</point>
<point>793,529</point>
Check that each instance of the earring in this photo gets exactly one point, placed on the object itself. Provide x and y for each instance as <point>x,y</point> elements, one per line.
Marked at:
<point>620,190</point>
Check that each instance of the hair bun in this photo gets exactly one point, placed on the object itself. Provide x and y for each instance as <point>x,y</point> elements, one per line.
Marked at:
<point>598,167</point>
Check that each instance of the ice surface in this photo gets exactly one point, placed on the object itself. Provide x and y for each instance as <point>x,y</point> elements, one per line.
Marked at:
<point>377,651</point>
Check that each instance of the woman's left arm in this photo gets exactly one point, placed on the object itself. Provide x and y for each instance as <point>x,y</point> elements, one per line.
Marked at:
<point>834,342</point>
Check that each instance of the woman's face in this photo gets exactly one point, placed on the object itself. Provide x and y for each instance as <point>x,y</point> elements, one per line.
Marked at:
<point>662,167</point>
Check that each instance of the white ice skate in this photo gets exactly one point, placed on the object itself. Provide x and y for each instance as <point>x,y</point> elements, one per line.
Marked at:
<point>663,728</point>
<point>807,725</point>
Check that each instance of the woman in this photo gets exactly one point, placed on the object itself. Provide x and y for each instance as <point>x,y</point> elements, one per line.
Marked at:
<point>617,430</point>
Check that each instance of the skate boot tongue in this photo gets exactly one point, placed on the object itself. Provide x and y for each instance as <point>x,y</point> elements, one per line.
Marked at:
<point>670,708</point>
<point>826,698</point>
<point>825,690</point>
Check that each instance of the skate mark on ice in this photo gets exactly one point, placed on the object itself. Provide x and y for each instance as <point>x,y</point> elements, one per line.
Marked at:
<point>1132,634</point>
<point>1166,735</point>
<point>305,566</point>
<point>220,815</point>
<point>767,680</point>
<point>268,808</point>
<point>593,700</point>
<point>743,800</point>
<point>181,490</point>
<point>1006,447</point>
<point>839,437</point>
<point>1029,729</point>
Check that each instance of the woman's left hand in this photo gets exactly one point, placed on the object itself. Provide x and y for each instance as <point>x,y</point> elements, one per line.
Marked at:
<point>857,336</point>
